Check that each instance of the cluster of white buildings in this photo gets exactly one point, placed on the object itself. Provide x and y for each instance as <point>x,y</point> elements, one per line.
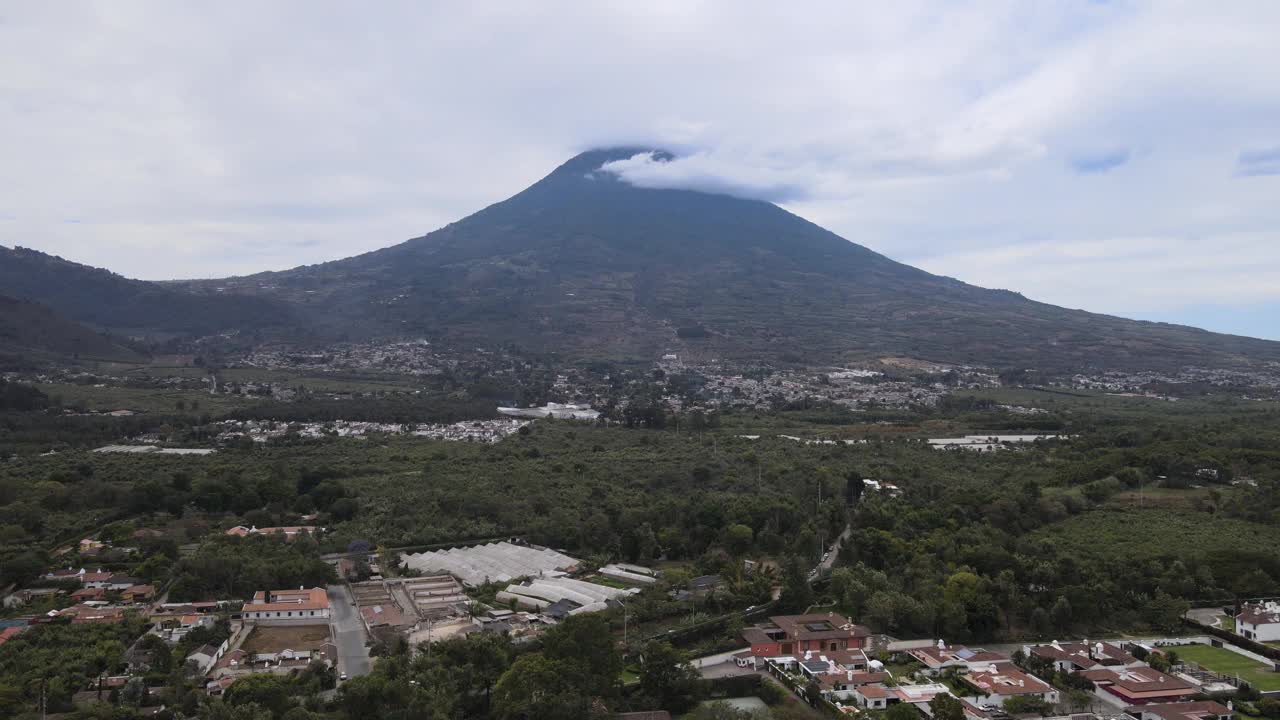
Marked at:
<point>488,431</point>
<point>1264,380</point>
<point>537,579</point>
<point>415,357</point>
<point>151,450</point>
<point>987,443</point>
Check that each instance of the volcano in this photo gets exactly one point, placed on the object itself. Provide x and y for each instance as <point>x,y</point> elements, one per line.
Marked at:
<point>584,265</point>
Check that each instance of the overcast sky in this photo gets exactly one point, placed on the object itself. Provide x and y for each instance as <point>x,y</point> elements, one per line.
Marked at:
<point>1122,157</point>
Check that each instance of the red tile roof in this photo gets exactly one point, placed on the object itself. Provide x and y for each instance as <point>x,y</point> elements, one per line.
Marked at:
<point>1140,683</point>
<point>1182,710</point>
<point>304,599</point>
<point>1007,681</point>
<point>957,654</point>
<point>1259,615</point>
<point>1085,655</point>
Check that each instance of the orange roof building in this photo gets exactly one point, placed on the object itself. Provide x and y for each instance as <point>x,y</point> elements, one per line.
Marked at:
<point>304,606</point>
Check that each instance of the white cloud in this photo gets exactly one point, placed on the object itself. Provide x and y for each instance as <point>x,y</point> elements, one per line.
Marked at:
<point>195,140</point>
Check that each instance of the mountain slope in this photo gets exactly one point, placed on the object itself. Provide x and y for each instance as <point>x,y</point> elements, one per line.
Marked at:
<point>102,299</point>
<point>28,329</point>
<point>586,265</point>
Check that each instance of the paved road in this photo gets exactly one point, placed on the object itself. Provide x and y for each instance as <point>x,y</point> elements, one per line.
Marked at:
<point>348,633</point>
<point>830,560</point>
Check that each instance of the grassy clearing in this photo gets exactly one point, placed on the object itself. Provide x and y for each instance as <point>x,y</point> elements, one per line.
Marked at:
<point>1226,662</point>
<point>1161,498</point>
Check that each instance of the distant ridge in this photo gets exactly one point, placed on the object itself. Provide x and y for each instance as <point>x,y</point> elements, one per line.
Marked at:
<point>29,330</point>
<point>103,299</point>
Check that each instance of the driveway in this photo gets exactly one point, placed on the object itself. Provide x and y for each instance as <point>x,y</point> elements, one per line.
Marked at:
<point>725,669</point>
<point>348,633</point>
<point>1206,616</point>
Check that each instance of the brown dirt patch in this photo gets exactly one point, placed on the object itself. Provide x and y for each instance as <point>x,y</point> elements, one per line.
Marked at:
<point>295,637</point>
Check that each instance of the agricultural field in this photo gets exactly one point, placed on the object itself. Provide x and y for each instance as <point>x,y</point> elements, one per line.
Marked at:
<point>1226,662</point>
<point>1156,533</point>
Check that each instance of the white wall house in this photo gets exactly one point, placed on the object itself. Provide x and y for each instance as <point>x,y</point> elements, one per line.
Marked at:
<point>288,607</point>
<point>1260,623</point>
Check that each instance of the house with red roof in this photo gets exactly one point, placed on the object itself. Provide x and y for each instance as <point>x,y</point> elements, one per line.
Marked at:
<point>1075,656</point>
<point>10,633</point>
<point>1201,710</point>
<point>1259,622</point>
<point>994,685</point>
<point>940,657</point>
<point>793,635</point>
<point>1141,685</point>
<point>288,532</point>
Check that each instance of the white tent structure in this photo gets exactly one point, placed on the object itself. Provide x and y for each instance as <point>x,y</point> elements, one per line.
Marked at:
<point>495,562</point>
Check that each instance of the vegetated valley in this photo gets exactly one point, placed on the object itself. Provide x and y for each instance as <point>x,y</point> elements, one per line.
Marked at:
<point>1141,508</point>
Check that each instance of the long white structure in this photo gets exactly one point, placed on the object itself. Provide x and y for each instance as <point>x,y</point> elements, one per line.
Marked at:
<point>987,443</point>
<point>553,410</point>
<point>620,572</point>
<point>496,562</point>
<point>538,594</point>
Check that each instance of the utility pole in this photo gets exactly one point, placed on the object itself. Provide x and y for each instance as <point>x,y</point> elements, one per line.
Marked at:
<point>624,626</point>
<point>818,514</point>
<point>428,639</point>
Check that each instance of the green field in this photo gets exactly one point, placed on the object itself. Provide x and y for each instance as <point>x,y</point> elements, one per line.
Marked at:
<point>106,399</point>
<point>1226,662</point>
<point>1128,533</point>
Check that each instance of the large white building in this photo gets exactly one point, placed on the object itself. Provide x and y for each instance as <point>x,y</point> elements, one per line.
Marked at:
<point>1260,623</point>
<point>304,606</point>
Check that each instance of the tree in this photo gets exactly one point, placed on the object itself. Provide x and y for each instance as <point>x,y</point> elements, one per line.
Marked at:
<point>1027,705</point>
<point>10,700</point>
<point>946,707</point>
<point>1165,612</point>
<point>538,688</point>
<point>738,538</point>
<point>583,646</point>
<point>667,677</point>
<point>901,711</point>
<point>1079,700</point>
<point>21,568</point>
<point>478,661</point>
<point>1060,614</point>
<point>215,710</point>
<point>262,690</point>
<point>797,594</point>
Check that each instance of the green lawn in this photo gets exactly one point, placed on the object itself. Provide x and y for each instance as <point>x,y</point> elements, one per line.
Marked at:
<point>1226,662</point>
